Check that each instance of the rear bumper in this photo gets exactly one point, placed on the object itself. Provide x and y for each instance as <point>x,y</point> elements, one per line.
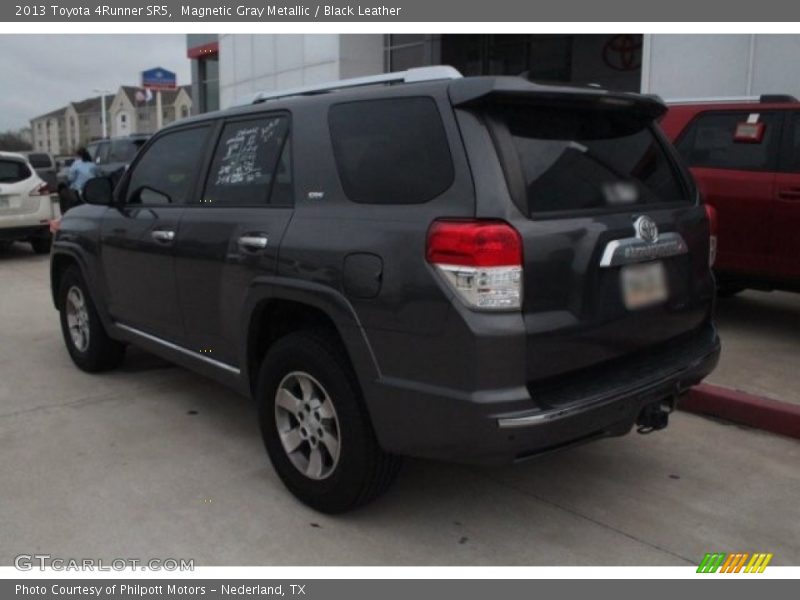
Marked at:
<point>479,427</point>
<point>10,234</point>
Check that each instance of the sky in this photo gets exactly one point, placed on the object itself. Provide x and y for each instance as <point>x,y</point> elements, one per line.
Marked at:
<point>41,73</point>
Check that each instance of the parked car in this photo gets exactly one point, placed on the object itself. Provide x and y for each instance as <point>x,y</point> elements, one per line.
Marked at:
<point>26,205</point>
<point>745,157</point>
<point>115,154</point>
<point>45,167</point>
<point>476,270</point>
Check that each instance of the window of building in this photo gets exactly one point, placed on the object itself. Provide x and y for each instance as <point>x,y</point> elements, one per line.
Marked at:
<point>709,142</point>
<point>208,70</point>
<point>166,171</point>
<point>408,51</point>
<point>392,151</point>
<point>247,169</point>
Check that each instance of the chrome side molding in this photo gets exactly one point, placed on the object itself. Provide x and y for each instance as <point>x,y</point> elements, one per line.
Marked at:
<point>196,355</point>
<point>632,250</point>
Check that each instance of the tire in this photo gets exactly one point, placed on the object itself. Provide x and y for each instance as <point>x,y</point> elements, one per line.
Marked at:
<point>357,470</point>
<point>94,352</point>
<point>41,245</point>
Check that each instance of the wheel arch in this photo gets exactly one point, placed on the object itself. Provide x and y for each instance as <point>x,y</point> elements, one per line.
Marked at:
<point>278,306</point>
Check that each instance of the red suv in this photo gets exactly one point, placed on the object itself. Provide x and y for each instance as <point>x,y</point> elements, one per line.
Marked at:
<point>745,156</point>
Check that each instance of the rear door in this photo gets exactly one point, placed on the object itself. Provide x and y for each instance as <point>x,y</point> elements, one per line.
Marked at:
<point>738,179</point>
<point>231,234</point>
<point>615,243</point>
<point>784,239</point>
<point>138,236</point>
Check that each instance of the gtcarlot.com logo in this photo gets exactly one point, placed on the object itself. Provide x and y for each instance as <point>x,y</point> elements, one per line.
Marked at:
<point>28,562</point>
<point>735,562</point>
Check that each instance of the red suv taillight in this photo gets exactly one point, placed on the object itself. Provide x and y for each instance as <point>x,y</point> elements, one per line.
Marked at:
<point>40,190</point>
<point>711,212</point>
<point>481,260</point>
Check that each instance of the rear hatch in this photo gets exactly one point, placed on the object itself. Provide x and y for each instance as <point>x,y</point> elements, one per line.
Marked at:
<point>615,242</point>
<point>18,189</point>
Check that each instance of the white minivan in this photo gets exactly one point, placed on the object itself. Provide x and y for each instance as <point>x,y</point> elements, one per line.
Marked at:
<point>27,205</point>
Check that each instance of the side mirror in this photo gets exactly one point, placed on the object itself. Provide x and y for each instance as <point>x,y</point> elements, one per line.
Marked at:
<point>98,190</point>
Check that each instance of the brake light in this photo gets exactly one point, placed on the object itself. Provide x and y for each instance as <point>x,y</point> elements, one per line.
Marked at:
<point>40,190</point>
<point>481,260</point>
<point>711,213</point>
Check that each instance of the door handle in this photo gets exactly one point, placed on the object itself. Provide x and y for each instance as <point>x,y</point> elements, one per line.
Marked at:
<point>789,194</point>
<point>162,235</point>
<point>254,242</point>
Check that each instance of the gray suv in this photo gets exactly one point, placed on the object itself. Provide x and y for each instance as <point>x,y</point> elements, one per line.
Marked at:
<point>469,269</point>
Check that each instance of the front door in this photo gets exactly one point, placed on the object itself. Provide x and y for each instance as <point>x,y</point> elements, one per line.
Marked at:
<point>138,235</point>
<point>232,233</point>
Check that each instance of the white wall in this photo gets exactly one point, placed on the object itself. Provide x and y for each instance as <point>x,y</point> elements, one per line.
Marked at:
<point>250,63</point>
<point>698,66</point>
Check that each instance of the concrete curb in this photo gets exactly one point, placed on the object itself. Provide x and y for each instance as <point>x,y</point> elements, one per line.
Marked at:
<point>740,407</point>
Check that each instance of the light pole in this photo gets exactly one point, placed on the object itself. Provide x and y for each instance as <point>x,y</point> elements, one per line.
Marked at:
<point>103,109</point>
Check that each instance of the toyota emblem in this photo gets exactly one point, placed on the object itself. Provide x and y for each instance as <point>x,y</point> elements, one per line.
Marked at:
<point>646,229</point>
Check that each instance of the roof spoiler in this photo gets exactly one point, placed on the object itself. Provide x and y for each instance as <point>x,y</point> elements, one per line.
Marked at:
<point>477,91</point>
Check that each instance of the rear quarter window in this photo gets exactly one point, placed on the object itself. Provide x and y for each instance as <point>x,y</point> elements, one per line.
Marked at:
<point>391,151</point>
<point>13,171</point>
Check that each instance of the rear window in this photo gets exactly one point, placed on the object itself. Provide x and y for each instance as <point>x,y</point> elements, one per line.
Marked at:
<point>569,160</point>
<point>39,160</point>
<point>391,151</point>
<point>13,171</point>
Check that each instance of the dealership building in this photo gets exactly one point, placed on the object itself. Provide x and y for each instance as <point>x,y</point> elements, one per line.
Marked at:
<point>232,66</point>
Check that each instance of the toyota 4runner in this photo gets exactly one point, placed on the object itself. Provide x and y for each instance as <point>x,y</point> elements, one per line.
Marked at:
<point>470,269</point>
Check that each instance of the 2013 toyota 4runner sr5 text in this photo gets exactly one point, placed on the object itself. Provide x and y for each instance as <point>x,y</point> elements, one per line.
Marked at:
<point>469,269</point>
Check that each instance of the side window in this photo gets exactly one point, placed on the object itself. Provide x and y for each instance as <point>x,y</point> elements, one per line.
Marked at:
<point>250,162</point>
<point>392,151</point>
<point>101,156</point>
<point>710,142</point>
<point>165,173</point>
<point>13,171</point>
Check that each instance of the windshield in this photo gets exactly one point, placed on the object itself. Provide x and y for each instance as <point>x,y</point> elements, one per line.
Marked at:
<point>582,159</point>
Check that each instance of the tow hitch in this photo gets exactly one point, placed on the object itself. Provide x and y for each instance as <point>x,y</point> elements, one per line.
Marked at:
<point>655,416</point>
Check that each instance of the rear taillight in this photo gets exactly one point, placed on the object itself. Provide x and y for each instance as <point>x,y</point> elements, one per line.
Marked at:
<point>40,190</point>
<point>711,212</point>
<point>480,260</point>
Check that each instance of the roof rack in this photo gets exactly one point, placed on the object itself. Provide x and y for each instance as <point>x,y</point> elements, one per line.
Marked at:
<point>763,99</point>
<point>410,76</point>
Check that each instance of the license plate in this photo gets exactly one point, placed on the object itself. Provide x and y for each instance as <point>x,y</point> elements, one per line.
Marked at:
<point>644,285</point>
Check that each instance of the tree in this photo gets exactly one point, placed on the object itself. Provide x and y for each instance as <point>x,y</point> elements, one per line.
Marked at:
<point>12,141</point>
